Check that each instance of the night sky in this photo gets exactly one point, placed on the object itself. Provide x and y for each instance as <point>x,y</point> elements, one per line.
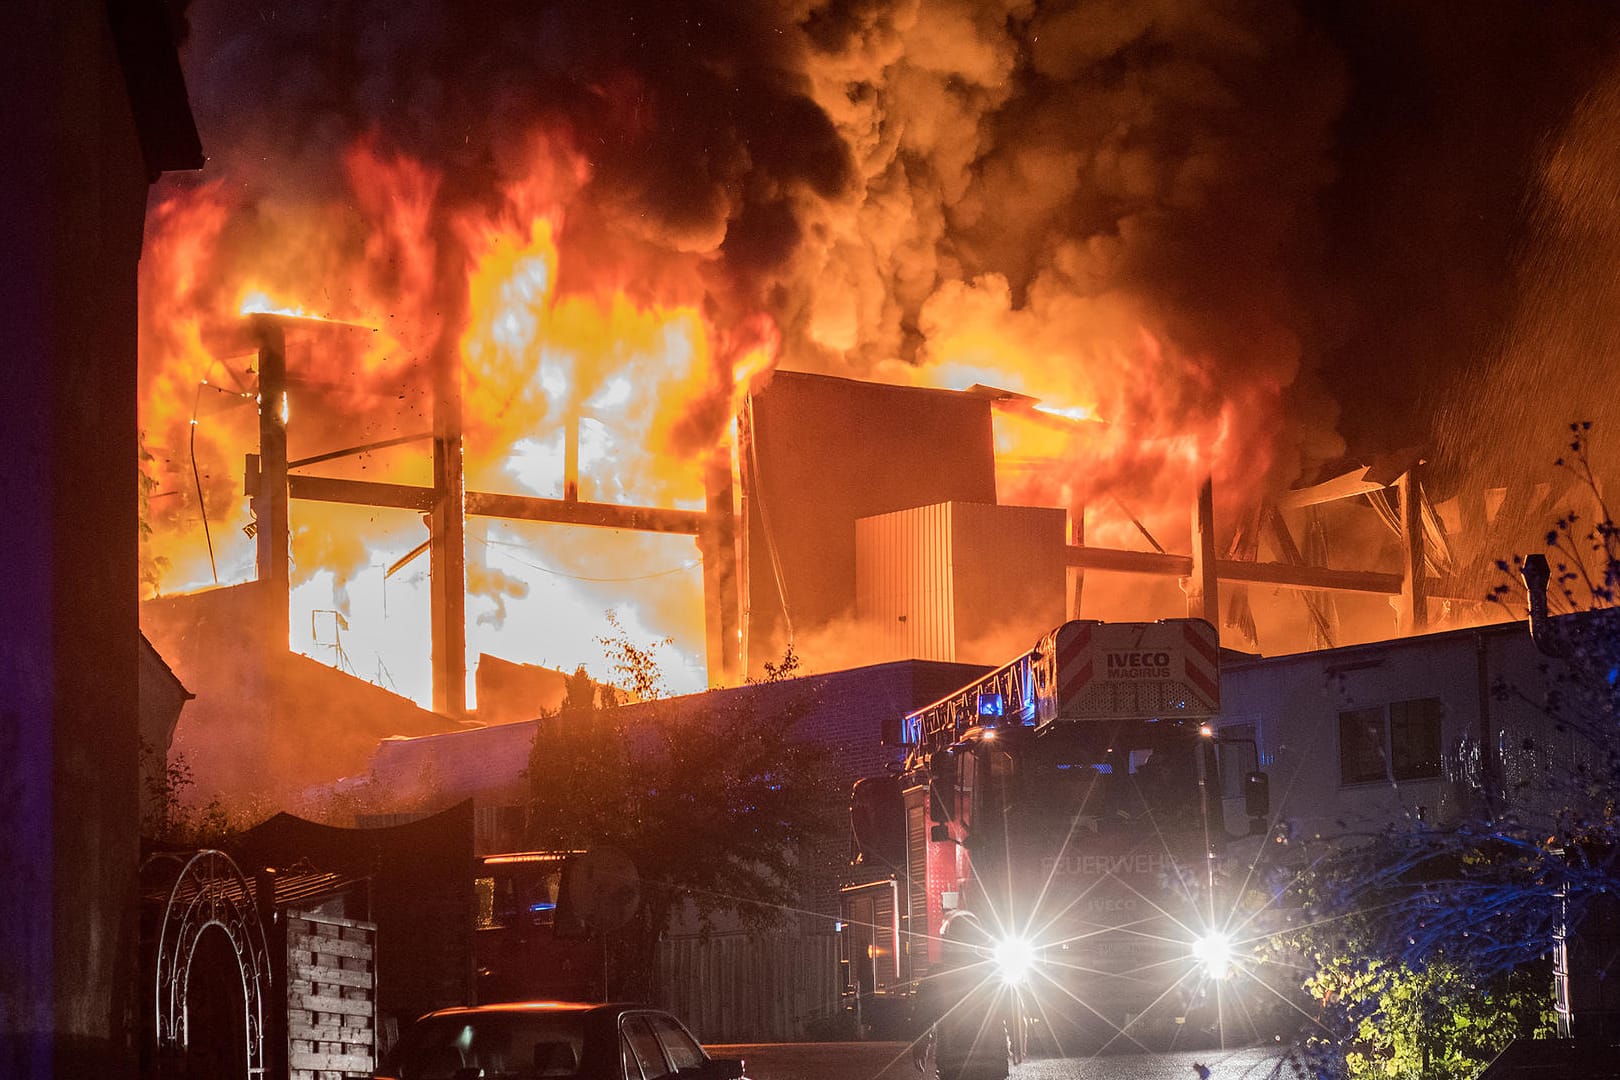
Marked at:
<point>1336,197</point>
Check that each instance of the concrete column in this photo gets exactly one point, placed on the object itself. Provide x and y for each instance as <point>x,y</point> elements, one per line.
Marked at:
<point>270,509</point>
<point>717,544</point>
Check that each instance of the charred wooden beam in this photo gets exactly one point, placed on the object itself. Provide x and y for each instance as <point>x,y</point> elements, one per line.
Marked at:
<point>351,451</point>
<point>1347,486</point>
<point>1077,576</point>
<point>1115,560</point>
<point>1316,578</point>
<point>1282,575</point>
<point>571,420</point>
<point>1320,607</point>
<point>361,493</point>
<point>601,515</point>
<point>717,543</point>
<point>1202,584</point>
<point>1414,606</point>
<point>447,519</point>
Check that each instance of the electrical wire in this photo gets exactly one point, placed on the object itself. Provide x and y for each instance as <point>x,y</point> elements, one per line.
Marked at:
<point>196,477</point>
<point>765,523</point>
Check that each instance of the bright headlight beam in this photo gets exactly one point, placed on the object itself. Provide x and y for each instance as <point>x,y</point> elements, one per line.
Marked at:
<point>1214,952</point>
<point>1014,957</point>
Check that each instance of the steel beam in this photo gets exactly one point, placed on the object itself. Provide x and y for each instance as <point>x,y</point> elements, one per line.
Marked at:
<point>1282,575</point>
<point>717,543</point>
<point>447,520</point>
<point>490,504</point>
<point>601,515</point>
<point>1347,486</point>
<point>1414,606</point>
<point>360,492</point>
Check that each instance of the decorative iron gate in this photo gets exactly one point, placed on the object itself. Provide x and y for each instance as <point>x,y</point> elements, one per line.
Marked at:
<point>210,893</point>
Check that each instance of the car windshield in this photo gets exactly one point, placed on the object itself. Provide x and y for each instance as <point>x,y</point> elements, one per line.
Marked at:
<point>493,1045</point>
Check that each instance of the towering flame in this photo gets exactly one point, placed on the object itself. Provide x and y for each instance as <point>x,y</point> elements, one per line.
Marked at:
<point>1103,207</point>
<point>647,383</point>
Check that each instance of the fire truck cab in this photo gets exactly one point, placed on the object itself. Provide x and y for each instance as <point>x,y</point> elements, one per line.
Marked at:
<point>1078,803</point>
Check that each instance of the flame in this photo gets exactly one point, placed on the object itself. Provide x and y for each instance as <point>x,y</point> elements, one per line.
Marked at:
<point>554,342</point>
<point>257,302</point>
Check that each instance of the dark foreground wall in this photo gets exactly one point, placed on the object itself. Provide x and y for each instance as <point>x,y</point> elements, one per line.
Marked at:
<point>85,125</point>
<point>420,897</point>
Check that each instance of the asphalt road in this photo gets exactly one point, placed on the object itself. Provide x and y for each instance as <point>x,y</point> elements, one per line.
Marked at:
<point>892,1061</point>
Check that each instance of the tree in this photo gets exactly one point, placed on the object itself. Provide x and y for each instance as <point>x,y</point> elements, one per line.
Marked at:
<point>168,816</point>
<point>1430,939</point>
<point>711,799</point>
<point>150,567</point>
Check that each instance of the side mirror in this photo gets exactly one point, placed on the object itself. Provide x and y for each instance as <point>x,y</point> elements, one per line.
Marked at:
<point>725,1069</point>
<point>1257,799</point>
<point>939,833</point>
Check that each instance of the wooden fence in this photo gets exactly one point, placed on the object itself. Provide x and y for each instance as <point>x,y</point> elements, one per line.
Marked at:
<point>331,997</point>
<point>751,987</point>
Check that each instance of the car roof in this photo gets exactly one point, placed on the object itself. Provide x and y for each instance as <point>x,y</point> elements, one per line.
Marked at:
<point>503,1007</point>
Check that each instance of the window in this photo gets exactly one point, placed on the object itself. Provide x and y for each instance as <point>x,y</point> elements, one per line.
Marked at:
<point>1362,755</point>
<point>1399,741</point>
<point>682,1050</point>
<point>644,1045</point>
<point>627,1059</point>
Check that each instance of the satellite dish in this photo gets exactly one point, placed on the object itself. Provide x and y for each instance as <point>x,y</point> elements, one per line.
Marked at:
<point>602,888</point>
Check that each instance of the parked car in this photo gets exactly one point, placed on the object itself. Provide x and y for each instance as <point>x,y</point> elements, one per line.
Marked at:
<point>535,1039</point>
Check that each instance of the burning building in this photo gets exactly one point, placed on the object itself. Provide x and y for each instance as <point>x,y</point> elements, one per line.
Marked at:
<point>481,327</point>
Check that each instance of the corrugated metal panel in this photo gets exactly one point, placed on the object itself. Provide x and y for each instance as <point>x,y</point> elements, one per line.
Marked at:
<point>751,987</point>
<point>959,580</point>
<point>830,451</point>
<point>903,583</point>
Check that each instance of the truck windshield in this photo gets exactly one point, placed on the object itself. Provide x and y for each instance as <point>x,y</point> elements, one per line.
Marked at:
<point>1130,777</point>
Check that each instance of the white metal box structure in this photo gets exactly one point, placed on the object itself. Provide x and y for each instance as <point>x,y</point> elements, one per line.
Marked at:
<point>960,582</point>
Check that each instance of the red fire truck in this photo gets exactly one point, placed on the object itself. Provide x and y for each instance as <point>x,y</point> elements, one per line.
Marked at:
<point>1073,801</point>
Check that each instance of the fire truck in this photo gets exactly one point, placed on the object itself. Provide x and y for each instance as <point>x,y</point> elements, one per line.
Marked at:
<point>1077,805</point>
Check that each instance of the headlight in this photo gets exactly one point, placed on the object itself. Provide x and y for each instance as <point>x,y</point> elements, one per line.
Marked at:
<point>1214,952</point>
<point>1014,957</point>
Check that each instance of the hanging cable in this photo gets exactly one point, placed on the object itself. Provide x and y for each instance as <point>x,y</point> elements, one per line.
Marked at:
<point>765,523</point>
<point>196,477</point>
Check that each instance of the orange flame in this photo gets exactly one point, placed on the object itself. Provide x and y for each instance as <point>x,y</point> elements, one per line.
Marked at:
<point>647,384</point>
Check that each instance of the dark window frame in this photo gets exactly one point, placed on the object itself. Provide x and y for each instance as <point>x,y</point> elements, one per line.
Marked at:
<point>1395,742</point>
<point>627,1029</point>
